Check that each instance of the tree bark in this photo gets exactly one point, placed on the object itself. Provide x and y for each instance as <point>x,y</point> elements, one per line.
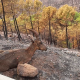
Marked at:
<point>17,29</point>
<point>11,29</point>
<point>16,25</point>
<point>4,22</point>
<point>66,37</point>
<point>44,33</point>
<point>38,27</point>
<point>31,23</point>
<point>26,30</point>
<point>50,37</point>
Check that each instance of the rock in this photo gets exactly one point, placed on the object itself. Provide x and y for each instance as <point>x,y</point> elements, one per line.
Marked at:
<point>26,70</point>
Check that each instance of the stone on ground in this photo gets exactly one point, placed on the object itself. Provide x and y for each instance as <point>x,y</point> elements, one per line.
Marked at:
<point>26,70</point>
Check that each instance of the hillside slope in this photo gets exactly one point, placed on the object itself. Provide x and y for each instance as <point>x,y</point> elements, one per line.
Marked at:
<point>58,3</point>
<point>53,64</point>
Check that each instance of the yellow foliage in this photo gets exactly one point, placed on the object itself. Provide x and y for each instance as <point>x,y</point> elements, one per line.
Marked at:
<point>29,4</point>
<point>49,12</point>
<point>37,4</point>
<point>65,12</point>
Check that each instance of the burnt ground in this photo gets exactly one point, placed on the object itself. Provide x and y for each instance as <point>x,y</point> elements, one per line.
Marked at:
<point>53,64</point>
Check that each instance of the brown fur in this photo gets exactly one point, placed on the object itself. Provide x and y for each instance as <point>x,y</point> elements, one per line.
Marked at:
<point>1,51</point>
<point>13,58</point>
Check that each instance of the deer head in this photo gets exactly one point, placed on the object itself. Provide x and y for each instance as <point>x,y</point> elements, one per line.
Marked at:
<point>37,42</point>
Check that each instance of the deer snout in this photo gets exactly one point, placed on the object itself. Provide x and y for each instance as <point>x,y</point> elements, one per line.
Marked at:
<point>43,47</point>
<point>46,49</point>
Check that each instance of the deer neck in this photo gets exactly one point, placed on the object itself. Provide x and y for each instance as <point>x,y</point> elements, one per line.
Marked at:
<point>31,50</point>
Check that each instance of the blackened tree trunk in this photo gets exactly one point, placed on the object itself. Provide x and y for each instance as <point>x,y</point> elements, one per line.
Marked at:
<point>38,27</point>
<point>44,33</point>
<point>76,38</point>
<point>73,42</point>
<point>50,37</point>
<point>26,30</point>
<point>11,29</point>
<point>17,29</point>
<point>66,37</point>
<point>16,25</point>
<point>79,43</point>
<point>31,23</point>
<point>4,22</point>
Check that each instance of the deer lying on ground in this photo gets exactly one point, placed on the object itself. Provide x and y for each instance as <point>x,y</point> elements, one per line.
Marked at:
<point>21,56</point>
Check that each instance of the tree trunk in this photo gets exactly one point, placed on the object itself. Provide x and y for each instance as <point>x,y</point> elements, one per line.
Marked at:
<point>4,22</point>
<point>73,43</point>
<point>50,37</point>
<point>66,37</point>
<point>17,29</point>
<point>44,34</point>
<point>16,25</point>
<point>26,30</point>
<point>11,29</point>
<point>31,23</point>
<point>76,38</point>
<point>3,28</point>
<point>38,27</point>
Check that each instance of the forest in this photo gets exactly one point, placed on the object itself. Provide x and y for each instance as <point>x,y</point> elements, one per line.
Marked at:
<point>60,27</point>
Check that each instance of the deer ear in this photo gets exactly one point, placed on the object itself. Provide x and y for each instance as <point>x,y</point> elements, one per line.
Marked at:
<point>35,33</point>
<point>31,39</point>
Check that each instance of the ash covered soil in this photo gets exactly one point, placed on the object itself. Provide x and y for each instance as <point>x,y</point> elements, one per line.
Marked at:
<point>53,64</point>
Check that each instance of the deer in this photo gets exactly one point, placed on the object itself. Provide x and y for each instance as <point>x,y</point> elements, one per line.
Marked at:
<point>12,58</point>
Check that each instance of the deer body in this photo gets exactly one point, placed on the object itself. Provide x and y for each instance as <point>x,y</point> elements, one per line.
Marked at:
<point>13,58</point>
